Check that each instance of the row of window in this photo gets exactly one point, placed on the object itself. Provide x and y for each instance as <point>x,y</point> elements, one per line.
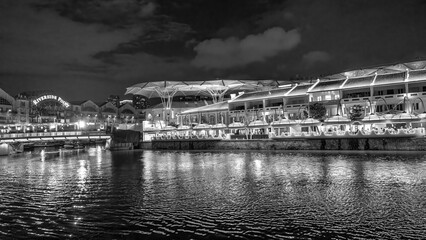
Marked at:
<point>382,108</point>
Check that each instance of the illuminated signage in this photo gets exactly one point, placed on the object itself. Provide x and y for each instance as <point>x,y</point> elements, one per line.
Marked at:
<point>51,97</point>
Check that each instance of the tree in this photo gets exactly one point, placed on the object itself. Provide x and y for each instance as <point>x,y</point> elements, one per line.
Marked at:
<point>317,110</point>
<point>173,124</point>
<point>356,112</point>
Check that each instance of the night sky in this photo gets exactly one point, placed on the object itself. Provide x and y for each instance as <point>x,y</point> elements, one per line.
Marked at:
<point>89,49</point>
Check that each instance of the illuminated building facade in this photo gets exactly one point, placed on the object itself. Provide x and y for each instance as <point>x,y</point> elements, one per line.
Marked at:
<point>395,95</point>
<point>46,111</point>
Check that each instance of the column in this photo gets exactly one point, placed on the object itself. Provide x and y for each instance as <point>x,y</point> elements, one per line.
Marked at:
<point>285,112</point>
<point>373,105</point>
<point>264,110</point>
<point>407,106</point>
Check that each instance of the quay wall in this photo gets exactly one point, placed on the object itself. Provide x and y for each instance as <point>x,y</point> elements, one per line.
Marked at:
<point>126,136</point>
<point>370,144</point>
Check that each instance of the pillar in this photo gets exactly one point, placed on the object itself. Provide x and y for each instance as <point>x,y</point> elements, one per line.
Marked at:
<point>373,105</point>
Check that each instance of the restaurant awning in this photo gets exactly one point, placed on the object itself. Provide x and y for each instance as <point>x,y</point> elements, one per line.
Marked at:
<point>202,126</point>
<point>309,121</point>
<point>258,123</point>
<point>404,117</point>
<point>236,125</point>
<point>373,118</point>
<point>283,122</point>
<point>337,120</point>
<point>219,125</point>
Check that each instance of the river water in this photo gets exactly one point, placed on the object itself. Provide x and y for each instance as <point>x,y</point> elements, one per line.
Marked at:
<point>97,194</point>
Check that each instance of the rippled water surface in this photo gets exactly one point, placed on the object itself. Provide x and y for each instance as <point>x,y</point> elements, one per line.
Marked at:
<point>98,194</point>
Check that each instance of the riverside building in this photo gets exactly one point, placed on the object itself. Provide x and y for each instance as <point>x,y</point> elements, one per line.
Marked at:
<point>389,98</point>
<point>41,111</point>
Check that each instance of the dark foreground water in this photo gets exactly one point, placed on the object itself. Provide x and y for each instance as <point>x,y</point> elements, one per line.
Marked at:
<point>97,194</point>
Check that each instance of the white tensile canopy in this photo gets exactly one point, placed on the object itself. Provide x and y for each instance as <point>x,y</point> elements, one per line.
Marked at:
<point>166,90</point>
<point>217,89</point>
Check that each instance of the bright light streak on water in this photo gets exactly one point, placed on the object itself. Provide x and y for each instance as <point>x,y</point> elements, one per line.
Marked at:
<point>97,194</point>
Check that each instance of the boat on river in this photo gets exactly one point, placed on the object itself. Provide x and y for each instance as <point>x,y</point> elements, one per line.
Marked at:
<point>78,145</point>
<point>49,154</point>
<point>68,145</point>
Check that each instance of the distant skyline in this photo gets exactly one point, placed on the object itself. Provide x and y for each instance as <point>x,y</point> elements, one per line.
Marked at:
<point>90,49</point>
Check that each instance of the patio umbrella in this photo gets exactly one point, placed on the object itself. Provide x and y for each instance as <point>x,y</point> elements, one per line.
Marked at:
<point>404,117</point>
<point>236,125</point>
<point>202,126</point>
<point>372,118</point>
<point>219,125</point>
<point>337,120</point>
<point>258,123</point>
<point>309,121</point>
<point>422,115</point>
<point>169,128</point>
<point>283,122</point>
<point>183,127</point>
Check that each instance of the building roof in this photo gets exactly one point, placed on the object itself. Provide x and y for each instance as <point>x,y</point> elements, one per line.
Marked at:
<point>359,82</point>
<point>381,70</point>
<point>273,93</point>
<point>77,102</point>
<point>221,106</point>
<point>36,93</point>
<point>323,86</point>
<point>185,104</point>
<point>419,75</point>
<point>390,78</point>
<point>299,90</point>
<point>183,88</point>
<point>6,96</point>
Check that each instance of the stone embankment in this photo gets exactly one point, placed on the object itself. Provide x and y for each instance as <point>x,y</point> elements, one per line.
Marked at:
<point>370,144</point>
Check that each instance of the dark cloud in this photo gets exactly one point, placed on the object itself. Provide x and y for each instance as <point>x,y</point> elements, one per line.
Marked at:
<point>316,57</point>
<point>107,45</point>
<point>113,13</point>
<point>233,52</point>
<point>361,33</point>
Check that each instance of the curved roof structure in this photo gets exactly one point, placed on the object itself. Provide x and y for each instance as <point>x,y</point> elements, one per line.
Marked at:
<point>151,89</point>
<point>382,70</point>
<point>166,90</point>
<point>399,73</point>
<point>4,95</point>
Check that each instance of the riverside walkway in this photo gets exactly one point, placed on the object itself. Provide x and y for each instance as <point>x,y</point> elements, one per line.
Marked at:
<point>53,136</point>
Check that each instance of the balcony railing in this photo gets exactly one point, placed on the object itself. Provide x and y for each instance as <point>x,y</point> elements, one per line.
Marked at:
<point>357,99</point>
<point>388,96</point>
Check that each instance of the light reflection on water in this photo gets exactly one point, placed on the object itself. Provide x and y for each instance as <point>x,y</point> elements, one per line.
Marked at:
<point>265,195</point>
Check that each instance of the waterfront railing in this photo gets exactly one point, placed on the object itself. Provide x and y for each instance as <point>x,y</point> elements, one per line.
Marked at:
<point>49,134</point>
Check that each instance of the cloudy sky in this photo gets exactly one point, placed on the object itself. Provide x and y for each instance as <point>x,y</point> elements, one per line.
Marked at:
<point>89,49</point>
